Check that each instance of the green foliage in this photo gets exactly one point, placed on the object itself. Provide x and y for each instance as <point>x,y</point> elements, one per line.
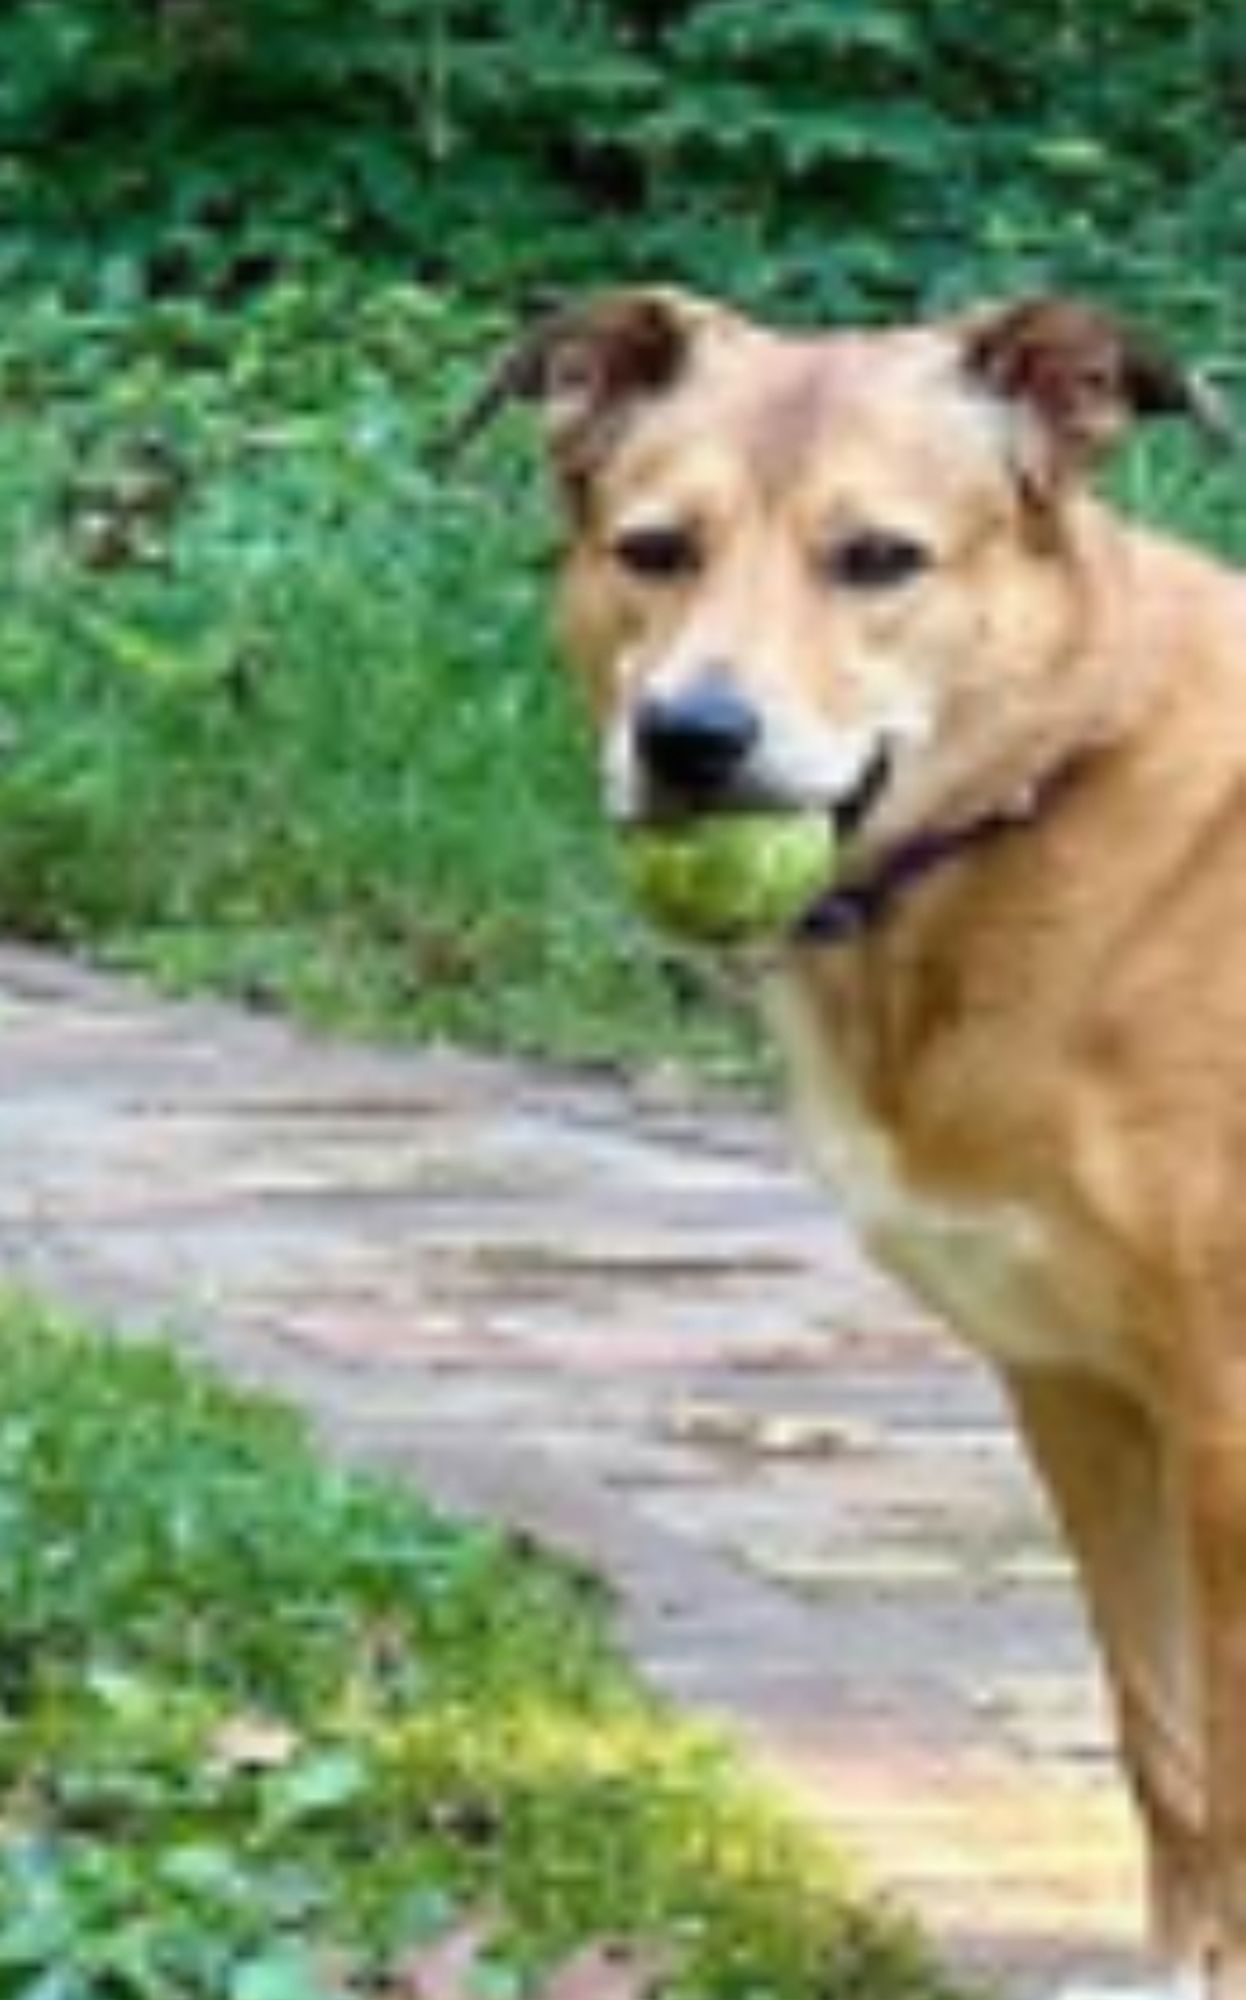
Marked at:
<point>277,709</point>
<point>265,1725</point>
<point>826,152</point>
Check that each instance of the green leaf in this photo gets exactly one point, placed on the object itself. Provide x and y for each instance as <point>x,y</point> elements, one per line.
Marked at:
<point>208,1873</point>
<point>44,1930</point>
<point>59,1982</point>
<point>315,1787</point>
<point>284,1973</point>
<point>739,31</point>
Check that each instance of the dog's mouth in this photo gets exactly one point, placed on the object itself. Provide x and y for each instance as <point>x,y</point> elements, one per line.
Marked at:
<point>756,792</point>
<point>751,865</point>
<point>849,813</point>
<point>852,808</point>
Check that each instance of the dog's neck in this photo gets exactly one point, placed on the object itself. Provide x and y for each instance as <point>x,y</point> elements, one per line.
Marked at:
<point>857,907</point>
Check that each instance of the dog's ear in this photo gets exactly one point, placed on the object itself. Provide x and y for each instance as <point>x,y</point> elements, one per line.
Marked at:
<point>586,367</point>
<point>1073,378</point>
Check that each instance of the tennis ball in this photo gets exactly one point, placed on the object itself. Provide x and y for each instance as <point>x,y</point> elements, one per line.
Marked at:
<point>731,876</point>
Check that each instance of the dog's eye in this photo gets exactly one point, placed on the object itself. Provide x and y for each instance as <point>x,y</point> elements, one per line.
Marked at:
<point>659,552</point>
<point>876,560</point>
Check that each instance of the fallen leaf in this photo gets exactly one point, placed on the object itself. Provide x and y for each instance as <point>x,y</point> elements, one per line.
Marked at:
<point>444,1969</point>
<point>814,1437</point>
<point>440,1970</point>
<point>726,1425</point>
<point>605,1971</point>
<point>253,1743</point>
<point>703,1422</point>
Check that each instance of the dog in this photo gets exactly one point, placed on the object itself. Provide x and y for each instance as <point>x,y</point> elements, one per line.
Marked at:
<point>865,573</point>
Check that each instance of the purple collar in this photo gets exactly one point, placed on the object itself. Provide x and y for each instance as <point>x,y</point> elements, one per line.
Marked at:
<point>847,913</point>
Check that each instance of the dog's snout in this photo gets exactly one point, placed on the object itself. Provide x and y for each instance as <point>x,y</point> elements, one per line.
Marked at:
<point>697,741</point>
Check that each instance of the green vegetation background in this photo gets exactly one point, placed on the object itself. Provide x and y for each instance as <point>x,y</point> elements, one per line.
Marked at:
<point>276,711</point>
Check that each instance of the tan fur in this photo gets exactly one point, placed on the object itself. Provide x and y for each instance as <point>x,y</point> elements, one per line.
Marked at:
<point>1029,1079</point>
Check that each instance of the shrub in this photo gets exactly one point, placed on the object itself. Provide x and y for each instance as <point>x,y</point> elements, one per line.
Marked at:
<point>823,151</point>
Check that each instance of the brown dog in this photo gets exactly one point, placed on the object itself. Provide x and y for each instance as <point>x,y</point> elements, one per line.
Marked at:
<point>864,572</point>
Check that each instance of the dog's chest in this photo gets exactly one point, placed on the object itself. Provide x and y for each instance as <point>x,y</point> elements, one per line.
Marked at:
<point>987,1266</point>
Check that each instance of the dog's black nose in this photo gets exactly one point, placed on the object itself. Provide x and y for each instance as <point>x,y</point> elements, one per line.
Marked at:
<point>696,742</point>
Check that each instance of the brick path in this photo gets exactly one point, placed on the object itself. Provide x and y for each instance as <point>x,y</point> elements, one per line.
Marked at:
<point>642,1334</point>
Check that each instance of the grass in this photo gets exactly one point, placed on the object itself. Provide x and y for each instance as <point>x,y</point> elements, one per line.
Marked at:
<point>278,705</point>
<point>277,711</point>
<point>265,1723</point>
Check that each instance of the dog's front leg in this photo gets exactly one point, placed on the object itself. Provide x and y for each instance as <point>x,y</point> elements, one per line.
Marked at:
<point>1213,1438</point>
<point>1108,1471</point>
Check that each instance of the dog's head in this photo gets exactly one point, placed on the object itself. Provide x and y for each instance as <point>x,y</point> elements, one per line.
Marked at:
<point>840,570</point>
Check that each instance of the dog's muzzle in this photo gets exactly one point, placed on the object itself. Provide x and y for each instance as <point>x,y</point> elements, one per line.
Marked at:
<point>707,749</point>
<point>693,748</point>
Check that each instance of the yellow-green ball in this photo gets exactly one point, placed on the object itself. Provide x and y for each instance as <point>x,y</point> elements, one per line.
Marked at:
<point>731,876</point>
